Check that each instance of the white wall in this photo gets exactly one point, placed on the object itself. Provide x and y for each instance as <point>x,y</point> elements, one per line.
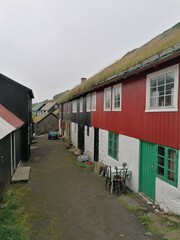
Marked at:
<point>128,152</point>
<point>89,143</point>
<point>74,134</point>
<point>60,130</point>
<point>103,147</point>
<point>168,196</point>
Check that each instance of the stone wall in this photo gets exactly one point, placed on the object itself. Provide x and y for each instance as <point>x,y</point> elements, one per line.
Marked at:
<point>49,123</point>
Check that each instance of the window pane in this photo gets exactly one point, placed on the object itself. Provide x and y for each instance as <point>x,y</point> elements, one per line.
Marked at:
<point>116,97</point>
<point>161,151</point>
<point>171,176</point>
<point>110,151</point>
<point>153,102</point>
<point>161,161</point>
<point>161,90</point>
<point>161,101</point>
<point>153,82</point>
<point>153,92</point>
<point>161,80</point>
<point>160,171</point>
<point>168,100</point>
<point>169,86</point>
<point>171,165</point>
<point>172,154</point>
<point>170,77</point>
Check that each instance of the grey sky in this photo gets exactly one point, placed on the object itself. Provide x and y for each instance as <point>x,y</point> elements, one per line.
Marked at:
<point>48,45</point>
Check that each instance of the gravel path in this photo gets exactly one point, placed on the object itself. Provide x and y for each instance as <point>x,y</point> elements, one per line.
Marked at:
<point>66,202</point>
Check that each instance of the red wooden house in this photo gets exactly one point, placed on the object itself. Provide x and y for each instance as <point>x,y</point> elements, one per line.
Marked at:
<point>133,109</point>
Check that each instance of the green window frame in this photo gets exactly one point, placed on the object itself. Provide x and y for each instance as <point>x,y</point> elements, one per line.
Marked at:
<point>167,164</point>
<point>113,145</point>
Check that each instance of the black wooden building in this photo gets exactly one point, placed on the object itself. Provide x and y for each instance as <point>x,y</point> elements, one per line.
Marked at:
<point>18,99</point>
<point>68,114</point>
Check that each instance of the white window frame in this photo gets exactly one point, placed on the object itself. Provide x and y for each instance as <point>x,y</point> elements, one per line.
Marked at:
<point>93,102</point>
<point>108,89</point>
<point>81,104</point>
<point>74,106</point>
<point>117,86</point>
<point>88,102</point>
<point>174,107</point>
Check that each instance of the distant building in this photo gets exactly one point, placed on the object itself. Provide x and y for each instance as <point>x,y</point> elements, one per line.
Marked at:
<point>36,110</point>
<point>49,107</point>
<point>46,122</point>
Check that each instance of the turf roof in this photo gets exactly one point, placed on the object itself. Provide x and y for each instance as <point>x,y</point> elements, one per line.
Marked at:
<point>162,42</point>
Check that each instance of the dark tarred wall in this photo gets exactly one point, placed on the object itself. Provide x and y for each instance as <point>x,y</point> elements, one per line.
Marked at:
<point>157,127</point>
<point>82,118</point>
<point>17,99</point>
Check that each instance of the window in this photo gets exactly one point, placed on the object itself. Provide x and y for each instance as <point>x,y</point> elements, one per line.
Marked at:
<point>117,97</point>
<point>167,164</point>
<point>162,90</point>
<point>88,103</point>
<point>113,145</point>
<point>74,106</point>
<point>81,104</point>
<point>107,99</point>
<point>93,104</point>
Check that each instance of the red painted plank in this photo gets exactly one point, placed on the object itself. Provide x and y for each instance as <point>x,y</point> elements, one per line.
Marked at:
<point>156,127</point>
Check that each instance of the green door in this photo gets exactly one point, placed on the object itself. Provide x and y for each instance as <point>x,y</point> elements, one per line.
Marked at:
<point>148,169</point>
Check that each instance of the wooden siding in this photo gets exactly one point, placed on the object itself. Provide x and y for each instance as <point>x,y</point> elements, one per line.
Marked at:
<point>14,98</point>
<point>156,127</point>
<point>18,99</point>
<point>18,146</point>
<point>83,118</point>
<point>5,164</point>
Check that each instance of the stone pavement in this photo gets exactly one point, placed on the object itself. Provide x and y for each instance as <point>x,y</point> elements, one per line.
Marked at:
<point>65,201</point>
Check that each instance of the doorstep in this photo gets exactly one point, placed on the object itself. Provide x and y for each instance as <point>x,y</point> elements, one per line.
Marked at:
<point>21,174</point>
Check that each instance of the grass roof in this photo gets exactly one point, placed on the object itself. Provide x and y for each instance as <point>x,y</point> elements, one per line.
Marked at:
<point>40,117</point>
<point>158,44</point>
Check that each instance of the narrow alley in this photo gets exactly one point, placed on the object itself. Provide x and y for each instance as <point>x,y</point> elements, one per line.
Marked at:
<point>67,202</point>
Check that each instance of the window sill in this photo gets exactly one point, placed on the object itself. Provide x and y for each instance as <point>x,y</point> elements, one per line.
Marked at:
<point>174,184</point>
<point>162,110</point>
<point>116,109</point>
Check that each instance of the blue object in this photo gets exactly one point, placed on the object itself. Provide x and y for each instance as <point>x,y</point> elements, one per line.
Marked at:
<point>53,135</point>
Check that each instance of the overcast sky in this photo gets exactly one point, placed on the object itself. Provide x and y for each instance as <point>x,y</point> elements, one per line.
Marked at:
<point>48,45</point>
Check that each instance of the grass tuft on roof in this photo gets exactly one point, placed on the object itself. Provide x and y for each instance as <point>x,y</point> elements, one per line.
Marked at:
<point>158,44</point>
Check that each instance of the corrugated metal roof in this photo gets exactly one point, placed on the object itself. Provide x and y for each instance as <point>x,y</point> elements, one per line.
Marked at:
<point>38,106</point>
<point>5,128</point>
<point>48,106</point>
<point>10,117</point>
